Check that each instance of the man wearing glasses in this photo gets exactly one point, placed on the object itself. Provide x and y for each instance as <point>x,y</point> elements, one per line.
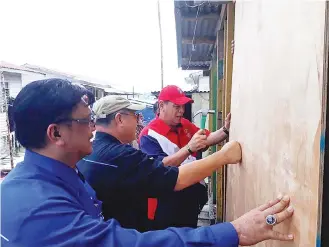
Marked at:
<point>45,200</point>
<point>170,136</point>
<point>124,177</point>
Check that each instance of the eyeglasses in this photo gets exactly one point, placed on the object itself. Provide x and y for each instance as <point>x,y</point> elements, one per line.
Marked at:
<point>138,116</point>
<point>90,120</point>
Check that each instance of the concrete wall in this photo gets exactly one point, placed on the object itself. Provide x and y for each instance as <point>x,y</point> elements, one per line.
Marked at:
<point>18,79</point>
<point>204,83</point>
<point>201,101</point>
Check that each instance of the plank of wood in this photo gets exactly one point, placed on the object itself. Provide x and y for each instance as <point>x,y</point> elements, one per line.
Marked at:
<point>228,68</point>
<point>229,36</point>
<point>323,215</point>
<point>221,19</point>
<point>276,110</point>
<point>219,175</point>
<point>220,44</point>
<point>224,78</point>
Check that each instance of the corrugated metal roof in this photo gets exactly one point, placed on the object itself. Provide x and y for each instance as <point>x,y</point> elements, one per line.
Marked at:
<point>199,55</point>
<point>204,27</point>
<point>188,92</point>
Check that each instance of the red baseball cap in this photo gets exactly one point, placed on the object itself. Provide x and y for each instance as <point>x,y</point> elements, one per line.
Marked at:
<point>174,94</point>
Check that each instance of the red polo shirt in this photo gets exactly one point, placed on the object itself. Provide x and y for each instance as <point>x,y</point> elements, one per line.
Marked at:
<point>159,140</point>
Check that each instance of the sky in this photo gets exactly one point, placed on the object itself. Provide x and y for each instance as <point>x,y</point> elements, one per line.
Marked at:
<point>115,42</point>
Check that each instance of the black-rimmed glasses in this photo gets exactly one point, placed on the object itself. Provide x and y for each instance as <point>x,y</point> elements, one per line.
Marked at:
<point>90,120</point>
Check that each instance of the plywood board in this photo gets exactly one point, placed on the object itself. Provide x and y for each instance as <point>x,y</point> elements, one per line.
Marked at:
<point>229,36</point>
<point>220,172</point>
<point>276,110</point>
<point>323,217</point>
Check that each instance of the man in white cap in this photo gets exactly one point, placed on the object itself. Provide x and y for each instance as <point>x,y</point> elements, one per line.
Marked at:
<point>45,200</point>
<point>124,177</point>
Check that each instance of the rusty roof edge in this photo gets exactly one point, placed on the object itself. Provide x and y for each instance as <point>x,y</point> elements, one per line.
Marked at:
<point>186,92</point>
<point>178,22</point>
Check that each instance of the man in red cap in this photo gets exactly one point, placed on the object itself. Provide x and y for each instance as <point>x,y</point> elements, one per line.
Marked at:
<point>177,140</point>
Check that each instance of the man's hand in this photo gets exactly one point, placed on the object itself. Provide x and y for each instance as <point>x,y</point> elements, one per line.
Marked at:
<point>227,123</point>
<point>231,152</point>
<point>221,134</point>
<point>252,227</point>
<point>198,141</point>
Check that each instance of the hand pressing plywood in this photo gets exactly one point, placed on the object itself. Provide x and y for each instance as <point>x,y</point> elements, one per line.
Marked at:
<point>277,110</point>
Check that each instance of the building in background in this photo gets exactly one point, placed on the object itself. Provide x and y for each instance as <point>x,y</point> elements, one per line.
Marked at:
<point>13,79</point>
<point>99,89</point>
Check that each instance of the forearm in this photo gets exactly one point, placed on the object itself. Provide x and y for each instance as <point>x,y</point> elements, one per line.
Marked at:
<point>177,158</point>
<point>195,171</point>
<point>90,231</point>
<point>216,137</point>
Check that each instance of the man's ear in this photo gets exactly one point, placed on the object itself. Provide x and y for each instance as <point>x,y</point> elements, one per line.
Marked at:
<point>160,105</point>
<point>118,119</point>
<point>54,135</point>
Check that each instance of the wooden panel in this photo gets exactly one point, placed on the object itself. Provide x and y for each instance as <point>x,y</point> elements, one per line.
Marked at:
<point>277,111</point>
<point>323,217</point>
<point>224,98</point>
<point>213,188</point>
<point>224,82</point>
<point>229,36</point>
<point>220,172</point>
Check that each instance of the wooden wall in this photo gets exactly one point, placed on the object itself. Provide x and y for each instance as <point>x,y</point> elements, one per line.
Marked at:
<point>277,103</point>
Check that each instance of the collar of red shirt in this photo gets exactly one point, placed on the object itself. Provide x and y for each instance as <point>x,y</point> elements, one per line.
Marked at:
<point>165,128</point>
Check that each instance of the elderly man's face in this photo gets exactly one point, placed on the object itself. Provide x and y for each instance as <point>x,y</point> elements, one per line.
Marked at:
<point>128,125</point>
<point>171,113</point>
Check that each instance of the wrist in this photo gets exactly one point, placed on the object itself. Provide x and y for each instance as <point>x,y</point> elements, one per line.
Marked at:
<point>222,157</point>
<point>217,158</point>
<point>189,150</point>
<point>226,131</point>
<point>237,229</point>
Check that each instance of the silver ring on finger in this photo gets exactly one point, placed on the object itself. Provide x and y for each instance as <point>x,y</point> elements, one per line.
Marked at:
<point>271,220</point>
